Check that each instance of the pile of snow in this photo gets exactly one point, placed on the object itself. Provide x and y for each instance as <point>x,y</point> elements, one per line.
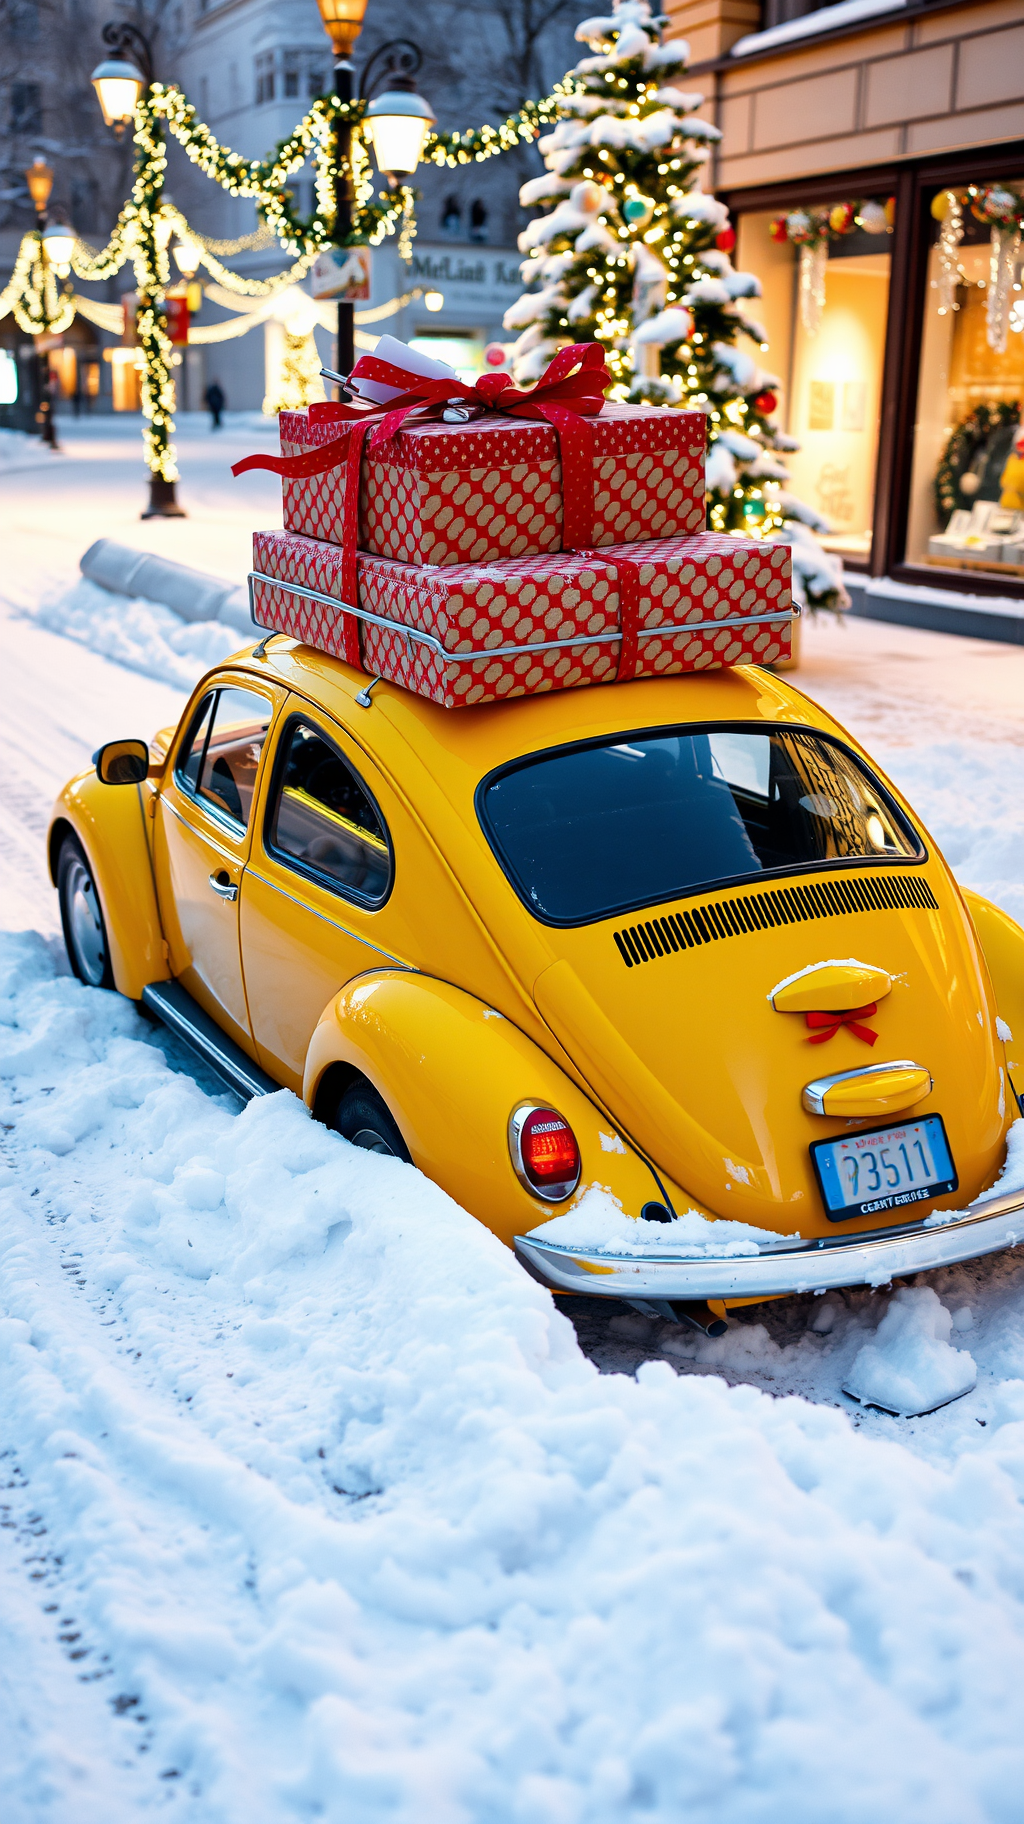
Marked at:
<point>138,633</point>
<point>319,1484</point>
<point>968,793</point>
<point>911,1366</point>
<point>599,1224</point>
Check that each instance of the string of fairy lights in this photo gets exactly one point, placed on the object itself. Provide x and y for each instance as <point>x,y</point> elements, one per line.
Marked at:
<point>42,298</point>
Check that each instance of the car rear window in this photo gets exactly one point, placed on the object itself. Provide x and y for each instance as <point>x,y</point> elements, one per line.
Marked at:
<point>587,832</point>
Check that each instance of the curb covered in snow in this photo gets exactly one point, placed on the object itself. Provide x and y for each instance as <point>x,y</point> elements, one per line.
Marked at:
<point>976,617</point>
<point>192,595</point>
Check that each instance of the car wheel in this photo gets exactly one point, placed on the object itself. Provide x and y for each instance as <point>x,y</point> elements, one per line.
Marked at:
<point>362,1117</point>
<point>85,933</point>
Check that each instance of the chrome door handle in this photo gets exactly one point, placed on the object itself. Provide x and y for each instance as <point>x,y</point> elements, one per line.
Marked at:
<point>222,886</point>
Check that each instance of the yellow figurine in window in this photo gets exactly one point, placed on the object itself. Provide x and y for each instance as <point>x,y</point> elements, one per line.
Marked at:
<point>1011,482</point>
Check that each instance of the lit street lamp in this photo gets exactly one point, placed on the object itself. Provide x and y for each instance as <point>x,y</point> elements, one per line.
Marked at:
<point>397,124</point>
<point>187,255</point>
<point>39,179</point>
<point>119,83</point>
<point>59,242</point>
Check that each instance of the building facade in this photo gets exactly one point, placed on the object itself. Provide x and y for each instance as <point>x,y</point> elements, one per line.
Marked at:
<point>900,355</point>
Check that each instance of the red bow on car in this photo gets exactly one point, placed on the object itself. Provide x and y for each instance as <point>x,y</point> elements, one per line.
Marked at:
<point>828,1024</point>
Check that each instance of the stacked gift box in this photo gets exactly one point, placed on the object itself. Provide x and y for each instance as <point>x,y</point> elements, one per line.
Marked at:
<point>471,553</point>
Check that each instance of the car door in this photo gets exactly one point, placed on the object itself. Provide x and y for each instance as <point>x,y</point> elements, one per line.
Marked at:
<point>316,890</point>
<point>201,842</point>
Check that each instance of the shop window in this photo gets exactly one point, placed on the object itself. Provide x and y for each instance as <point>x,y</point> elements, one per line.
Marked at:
<point>126,379</point>
<point>8,377</point>
<point>967,479</point>
<point>828,364</point>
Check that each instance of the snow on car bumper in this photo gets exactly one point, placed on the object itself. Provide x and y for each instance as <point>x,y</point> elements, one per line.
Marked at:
<point>786,1266</point>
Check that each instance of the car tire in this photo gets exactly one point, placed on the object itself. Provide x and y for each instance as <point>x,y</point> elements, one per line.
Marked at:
<point>81,915</point>
<point>365,1119</point>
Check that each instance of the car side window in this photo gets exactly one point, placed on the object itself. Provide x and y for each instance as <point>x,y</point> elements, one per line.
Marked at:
<point>222,753</point>
<point>322,821</point>
<point>190,759</point>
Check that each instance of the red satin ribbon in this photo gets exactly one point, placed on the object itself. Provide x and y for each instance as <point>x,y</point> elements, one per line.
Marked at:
<point>831,1022</point>
<point>569,393</point>
<point>627,582</point>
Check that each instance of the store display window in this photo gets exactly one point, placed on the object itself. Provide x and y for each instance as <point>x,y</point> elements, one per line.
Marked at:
<point>825,278</point>
<point>967,477</point>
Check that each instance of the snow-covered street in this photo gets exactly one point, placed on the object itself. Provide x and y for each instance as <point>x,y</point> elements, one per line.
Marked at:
<point>316,1506</point>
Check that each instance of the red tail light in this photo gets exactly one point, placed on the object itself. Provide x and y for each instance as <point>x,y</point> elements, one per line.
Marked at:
<point>544,1151</point>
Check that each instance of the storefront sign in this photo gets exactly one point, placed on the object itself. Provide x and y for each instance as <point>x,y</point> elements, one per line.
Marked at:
<point>478,286</point>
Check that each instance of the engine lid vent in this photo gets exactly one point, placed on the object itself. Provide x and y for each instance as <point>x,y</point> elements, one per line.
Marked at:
<point>705,924</point>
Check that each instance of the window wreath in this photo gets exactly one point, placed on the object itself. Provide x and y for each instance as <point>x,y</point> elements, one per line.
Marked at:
<point>973,460</point>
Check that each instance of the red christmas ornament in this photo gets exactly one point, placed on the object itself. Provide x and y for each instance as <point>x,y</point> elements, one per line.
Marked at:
<point>725,239</point>
<point>778,230</point>
<point>766,402</point>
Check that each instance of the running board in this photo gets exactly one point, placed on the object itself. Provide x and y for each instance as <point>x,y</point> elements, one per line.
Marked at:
<point>172,1004</point>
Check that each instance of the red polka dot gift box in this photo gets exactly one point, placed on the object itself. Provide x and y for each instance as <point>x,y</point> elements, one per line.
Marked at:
<point>477,633</point>
<point>493,487</point>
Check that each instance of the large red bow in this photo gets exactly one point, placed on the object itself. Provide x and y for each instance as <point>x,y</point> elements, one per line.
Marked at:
<point>567,394</point>
<point>831,1023</point>
<point>573,382</point>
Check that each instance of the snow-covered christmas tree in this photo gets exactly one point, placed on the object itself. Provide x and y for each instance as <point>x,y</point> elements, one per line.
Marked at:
<point>633,253</point>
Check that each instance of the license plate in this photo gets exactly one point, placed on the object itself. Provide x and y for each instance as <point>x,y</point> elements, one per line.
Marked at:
<point>867,1174</point>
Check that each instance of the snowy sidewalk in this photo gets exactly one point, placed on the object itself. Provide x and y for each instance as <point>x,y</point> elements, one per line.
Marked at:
<point>314,1507</point>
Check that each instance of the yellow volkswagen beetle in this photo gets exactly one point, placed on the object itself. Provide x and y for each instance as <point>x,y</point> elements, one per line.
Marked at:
<point>672,950</point>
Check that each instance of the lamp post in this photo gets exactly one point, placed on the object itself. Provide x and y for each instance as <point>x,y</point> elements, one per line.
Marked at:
<point>120,81</point>
<point>39,179</point>
<point>396,124</point>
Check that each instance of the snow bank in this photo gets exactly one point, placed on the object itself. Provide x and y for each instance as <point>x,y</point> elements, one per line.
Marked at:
<point>143,635</point>
<point>599,1224</point>
<point>342,1515</point>
<point>968,793</point>
<point>911,1366</point>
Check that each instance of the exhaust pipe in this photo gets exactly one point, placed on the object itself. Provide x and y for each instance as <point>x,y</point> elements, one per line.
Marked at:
<point>697,1313</point>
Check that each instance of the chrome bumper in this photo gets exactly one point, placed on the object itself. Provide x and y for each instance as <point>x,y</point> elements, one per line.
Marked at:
<point>785,1266</point>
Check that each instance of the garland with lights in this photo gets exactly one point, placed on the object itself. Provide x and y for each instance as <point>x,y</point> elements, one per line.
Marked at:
<point>32,294</point>
<point>806,227</point>
<point>472,146</point>
<point>813,230</point>
<point>631,252</point>
<point>146,223</point>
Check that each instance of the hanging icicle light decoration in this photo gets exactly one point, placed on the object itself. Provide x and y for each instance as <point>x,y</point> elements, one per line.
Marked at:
<point>1002,263</point>
<point>947,209</point>
<point>813,261</point>
<point>1003,210</point>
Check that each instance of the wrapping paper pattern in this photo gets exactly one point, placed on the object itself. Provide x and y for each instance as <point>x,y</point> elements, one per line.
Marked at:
<point>443,494</point>
<point>527,601</point>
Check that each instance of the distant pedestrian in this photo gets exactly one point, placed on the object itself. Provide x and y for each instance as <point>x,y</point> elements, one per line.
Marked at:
<point>215,402</point>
